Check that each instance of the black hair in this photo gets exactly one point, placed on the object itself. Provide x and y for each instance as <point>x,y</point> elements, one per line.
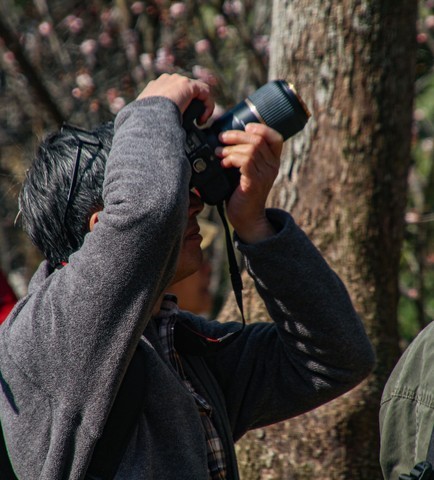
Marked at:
<point>43,198</point>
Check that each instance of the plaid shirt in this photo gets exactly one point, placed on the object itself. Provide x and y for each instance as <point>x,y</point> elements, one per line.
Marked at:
<point>166,319</point>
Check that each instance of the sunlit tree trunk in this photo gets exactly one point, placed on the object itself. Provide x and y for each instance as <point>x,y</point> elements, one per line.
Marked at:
<point>344,179</point>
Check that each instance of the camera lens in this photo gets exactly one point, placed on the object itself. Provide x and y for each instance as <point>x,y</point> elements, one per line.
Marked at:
<point>278,105</point>
<point>275,104</point>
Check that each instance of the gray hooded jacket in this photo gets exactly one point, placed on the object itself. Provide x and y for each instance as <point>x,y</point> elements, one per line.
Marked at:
<point>66,346</point>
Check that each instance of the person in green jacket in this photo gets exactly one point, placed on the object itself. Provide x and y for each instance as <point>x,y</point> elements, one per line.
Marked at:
<point>407,408</point>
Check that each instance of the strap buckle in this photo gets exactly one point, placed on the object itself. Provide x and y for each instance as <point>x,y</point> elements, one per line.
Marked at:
<point>421,471</point>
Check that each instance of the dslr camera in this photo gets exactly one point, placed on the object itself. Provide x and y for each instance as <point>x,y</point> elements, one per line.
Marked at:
<point>275,104</point>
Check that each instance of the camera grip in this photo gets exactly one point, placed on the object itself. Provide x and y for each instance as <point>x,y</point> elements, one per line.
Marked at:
<point>193,111</point>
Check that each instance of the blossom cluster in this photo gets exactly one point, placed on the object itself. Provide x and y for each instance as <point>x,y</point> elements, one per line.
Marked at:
<point>104,56</point>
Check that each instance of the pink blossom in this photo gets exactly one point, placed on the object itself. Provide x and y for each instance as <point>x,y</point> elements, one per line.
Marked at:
<point>429,21</point>
<point>202,46</point>
<point>105,40</point>
<point>177,9</point>
<point>117,104</point>
<point>412,217</point>
<point>76,93</point>
<point>74,24</point>
<point>84,81</point>
<point>146,61</point>
<point>204,74</point>
<point>422,38</point>
<point>88,47</point>
<point>9,57</point>
<point>413,293</point>
<point>219,21</point>
<point>233,7</point>
<point>45,29</point>
<point>164,60</point>
<point>222,32</point>
<point>137,8</point>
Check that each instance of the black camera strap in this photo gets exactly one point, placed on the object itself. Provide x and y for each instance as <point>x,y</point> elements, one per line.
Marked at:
<point>234,271</point>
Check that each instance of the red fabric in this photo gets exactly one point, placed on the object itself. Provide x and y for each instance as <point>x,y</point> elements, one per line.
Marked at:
<point>7,298</point>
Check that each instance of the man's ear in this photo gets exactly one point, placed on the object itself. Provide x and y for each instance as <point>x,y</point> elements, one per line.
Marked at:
<point>93,220</point>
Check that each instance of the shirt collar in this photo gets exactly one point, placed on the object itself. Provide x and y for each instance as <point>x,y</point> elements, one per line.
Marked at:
<point>168,307</point>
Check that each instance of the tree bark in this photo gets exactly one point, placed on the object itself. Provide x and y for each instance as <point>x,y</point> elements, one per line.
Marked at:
<point>344,178</point>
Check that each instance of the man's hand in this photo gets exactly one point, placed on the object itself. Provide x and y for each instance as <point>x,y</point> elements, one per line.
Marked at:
<point>256,153</point>
<point>181,90</point>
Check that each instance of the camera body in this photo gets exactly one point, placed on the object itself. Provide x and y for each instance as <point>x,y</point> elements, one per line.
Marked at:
<point>275,104</point>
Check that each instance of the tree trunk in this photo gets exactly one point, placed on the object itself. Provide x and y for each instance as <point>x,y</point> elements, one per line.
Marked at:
<point>345,180</point>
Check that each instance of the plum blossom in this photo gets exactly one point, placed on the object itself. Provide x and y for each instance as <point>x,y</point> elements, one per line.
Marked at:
<point>164,60</point>
<point>146,61</point>
<point>204,74</point>
<point>422,38</point>
<point>219,21</point>
<point>9,58</point>
<point>202,46</point>
<point>413,293</point>
<point>105,40</point>
<point>84,81</point>
<point>88,47</point>
<point>177,9</point>
<point>223,32</point>
<point>45,29</point>
<point>76,93</point>
<point>74,24</point>
<point>429,22</point>
<point>137,8</point>
<point>117,104</point>
<point>233,7</point>
<point>412,217</point>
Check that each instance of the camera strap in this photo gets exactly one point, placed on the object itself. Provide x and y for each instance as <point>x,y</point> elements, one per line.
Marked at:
<point>234,271</point>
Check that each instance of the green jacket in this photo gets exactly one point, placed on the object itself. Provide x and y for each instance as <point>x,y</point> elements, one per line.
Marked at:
<point>407,408</point>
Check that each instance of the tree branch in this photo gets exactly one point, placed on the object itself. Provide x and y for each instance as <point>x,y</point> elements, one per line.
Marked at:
<point>41,92</point>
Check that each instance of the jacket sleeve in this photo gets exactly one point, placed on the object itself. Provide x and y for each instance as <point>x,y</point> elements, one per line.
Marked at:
<point>75,333</point>
<point>316,348</point>
<point>407,409</point>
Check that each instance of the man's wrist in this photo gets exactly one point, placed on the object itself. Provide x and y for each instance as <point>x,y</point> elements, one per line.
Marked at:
<point>256,232</point>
